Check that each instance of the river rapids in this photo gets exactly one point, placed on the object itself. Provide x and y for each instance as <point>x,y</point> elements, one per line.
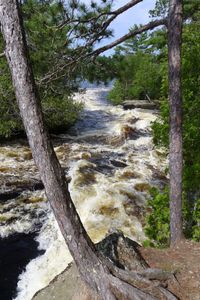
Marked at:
<point>110,163</point>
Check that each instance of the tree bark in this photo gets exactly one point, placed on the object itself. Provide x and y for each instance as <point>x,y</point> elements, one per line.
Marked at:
<point>175,135</point>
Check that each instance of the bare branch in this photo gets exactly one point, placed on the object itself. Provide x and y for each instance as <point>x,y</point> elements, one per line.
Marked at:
<point>2,54</point>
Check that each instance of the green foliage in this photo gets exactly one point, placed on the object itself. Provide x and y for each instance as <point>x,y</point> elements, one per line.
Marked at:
<point>196,218</point>
<point>191,130</point>
<point>157,226</point>
<point>60,115</point>
<point>102,70</point>
<point>46,46</point>
<point>138,77</point>
<point>161,126</point>
<point>161,8</point>
<point>157,221</point>
<point>191,107</point>
<point>116,95</point>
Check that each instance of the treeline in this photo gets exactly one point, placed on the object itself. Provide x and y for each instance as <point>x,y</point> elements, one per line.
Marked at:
<point>142,73</point>
<point>140,68</point>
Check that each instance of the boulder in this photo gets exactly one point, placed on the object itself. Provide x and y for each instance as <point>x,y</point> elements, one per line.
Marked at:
<point>122,251</point>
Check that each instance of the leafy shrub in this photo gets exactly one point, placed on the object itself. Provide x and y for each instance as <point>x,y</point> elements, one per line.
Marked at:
<point>158,219</point>
<point>60,113</point>
<point>116,95</point>
<point>196,218</point>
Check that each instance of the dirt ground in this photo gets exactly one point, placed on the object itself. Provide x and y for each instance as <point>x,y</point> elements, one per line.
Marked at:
<point>184,259</point>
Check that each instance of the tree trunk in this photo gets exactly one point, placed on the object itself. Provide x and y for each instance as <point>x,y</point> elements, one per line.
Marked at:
<point>100,274</point>
<point>79,243</point>
<point>175,100</point>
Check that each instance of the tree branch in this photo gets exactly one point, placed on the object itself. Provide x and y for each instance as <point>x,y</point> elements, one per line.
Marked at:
<point>54,75</point>
<point>114,14</point>
<point>120,10</point>
<point>133,33</point>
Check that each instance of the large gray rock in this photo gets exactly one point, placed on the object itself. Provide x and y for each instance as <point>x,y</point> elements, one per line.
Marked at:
<point>122,251</point>
<point>131,104</point>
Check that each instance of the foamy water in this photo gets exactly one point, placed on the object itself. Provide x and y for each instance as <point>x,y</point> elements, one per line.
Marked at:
<point>112,164</point>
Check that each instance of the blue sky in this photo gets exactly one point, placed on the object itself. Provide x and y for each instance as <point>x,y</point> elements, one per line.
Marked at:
<point>139,14</point>
<point>136,15</point>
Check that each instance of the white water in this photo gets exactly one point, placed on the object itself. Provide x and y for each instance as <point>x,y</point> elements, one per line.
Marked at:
<point>110,172</point>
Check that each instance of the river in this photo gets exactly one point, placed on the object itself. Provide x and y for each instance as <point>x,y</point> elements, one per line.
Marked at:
<point>111,163</point>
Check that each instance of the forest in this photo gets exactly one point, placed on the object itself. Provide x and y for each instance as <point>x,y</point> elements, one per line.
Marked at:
<point>83,178</point>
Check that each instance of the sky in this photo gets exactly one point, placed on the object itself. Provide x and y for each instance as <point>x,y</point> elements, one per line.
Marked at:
<point>138,14</point>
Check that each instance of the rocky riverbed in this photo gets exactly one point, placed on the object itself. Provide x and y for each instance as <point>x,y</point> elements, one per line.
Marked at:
<point>110,163</point>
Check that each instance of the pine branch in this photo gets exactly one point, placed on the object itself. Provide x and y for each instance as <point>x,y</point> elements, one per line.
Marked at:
<point>151,25</point>
<point>83,55</point>
<point>114,14</point>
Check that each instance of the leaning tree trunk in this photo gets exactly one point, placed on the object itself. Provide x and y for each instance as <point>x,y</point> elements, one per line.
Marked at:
<point>101,275</point>
<point>52,175</point>
<point>175,100</point>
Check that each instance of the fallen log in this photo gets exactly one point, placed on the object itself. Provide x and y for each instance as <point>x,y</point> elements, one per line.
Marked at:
<point>144,104</point>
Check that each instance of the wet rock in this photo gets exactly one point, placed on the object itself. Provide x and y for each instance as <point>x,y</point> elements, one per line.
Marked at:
<point>27,155</point>
<point>105,169</point>
<point>102,162</point>
<point>85,155</point>
<point>128,174</point>
<point>86,175</point>
<point>118,164</point>
<point>106,210</point>
<point>18,187</point>
<point>4,169</point>
<point>142,187</point>
<point>133,120</point>
<point>133,209</point>
<point>131,104</point>
<point>129,132</point>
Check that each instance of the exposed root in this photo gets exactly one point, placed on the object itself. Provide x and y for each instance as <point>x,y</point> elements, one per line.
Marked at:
<point>124,291</point>
<point>157,274</point>
<point>144,283</point>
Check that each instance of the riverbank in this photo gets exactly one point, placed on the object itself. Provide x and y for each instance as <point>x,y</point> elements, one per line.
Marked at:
<point>184,259</point>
